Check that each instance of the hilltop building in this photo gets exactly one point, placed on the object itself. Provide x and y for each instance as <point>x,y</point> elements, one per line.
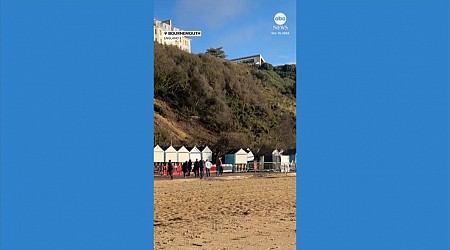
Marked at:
<point>255,59</point>
<point>184,43</point>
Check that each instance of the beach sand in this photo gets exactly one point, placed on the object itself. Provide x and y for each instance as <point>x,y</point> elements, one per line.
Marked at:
<point>228,212</point>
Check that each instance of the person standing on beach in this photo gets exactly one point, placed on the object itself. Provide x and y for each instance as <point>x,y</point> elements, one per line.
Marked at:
<point>170,169</point>
<point>184,168</point>
<point>201,167</point>
<point>208,168</point>
<point>218,166</point>
<point>196,166</point>
<point>189,167</point>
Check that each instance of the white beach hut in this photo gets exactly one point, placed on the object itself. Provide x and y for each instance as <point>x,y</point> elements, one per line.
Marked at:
<point>206,153</point>
<point>236,156</point>
<point>170,153</point>
<point>158,154</point>
<point>183,154</point>
<point>194,153</point>
<point>250,156</point>
<point>284,158</point>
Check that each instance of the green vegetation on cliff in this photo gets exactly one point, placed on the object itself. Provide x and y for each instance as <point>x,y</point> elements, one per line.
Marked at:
<point>204,100</point>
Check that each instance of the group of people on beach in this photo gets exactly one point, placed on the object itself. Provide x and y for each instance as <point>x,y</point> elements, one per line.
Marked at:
<point>199,168</point>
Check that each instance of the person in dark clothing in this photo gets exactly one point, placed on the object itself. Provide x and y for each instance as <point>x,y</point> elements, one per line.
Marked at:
<point>219,167</point>
<point>189,167</point>
<point>184,168</point>
<point>201,167</point>
<point>170,169</point>
<point>196,167</point>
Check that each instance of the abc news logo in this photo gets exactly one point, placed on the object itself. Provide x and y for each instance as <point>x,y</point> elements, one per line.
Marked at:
<point>280,20</point>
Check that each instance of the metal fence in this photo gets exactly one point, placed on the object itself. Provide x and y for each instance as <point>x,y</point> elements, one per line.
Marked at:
<point>161,169</point>
<point>258,167</point>
<point>273,167</point>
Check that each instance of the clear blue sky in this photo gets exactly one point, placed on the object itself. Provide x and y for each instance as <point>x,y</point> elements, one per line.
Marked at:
<point>241,27</point>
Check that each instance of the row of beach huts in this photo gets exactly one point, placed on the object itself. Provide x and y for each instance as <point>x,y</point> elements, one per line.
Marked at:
<point>239,157</point>
<point>162,154</point>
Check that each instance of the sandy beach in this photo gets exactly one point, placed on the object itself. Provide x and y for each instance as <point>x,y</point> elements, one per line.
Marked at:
<point>227,212</point>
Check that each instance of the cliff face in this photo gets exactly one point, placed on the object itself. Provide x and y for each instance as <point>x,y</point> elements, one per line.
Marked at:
<point>203,100</point>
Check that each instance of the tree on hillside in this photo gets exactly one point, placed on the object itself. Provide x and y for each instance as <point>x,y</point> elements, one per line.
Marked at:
<point>230,140</point>
<point>285,132</point>
<point>216,52</point>
<point>266,66</point>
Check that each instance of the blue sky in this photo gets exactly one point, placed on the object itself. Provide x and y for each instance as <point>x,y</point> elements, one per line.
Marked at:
<point>241,27</point>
